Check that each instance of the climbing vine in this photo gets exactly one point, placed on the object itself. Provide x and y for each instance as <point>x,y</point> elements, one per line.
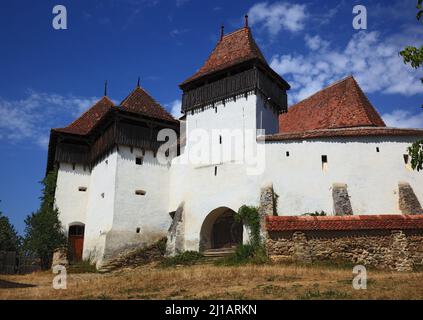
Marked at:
<point>250,217</point>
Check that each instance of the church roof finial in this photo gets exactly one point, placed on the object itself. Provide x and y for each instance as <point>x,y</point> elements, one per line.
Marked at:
<point>246,20</point>
<point>222,32</point>
<point>138,82</point>
<point>105,88</point>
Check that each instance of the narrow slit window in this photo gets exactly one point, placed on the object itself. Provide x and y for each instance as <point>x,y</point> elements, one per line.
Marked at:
<point>406,158</point>
<point>139,160</point>
<point>287,153</point>
<point>82,189</point>
<point>377,149</point>
<point>324,162</point>
<point>220,139</point>
<point>215,171</point>
<point>140,192</point>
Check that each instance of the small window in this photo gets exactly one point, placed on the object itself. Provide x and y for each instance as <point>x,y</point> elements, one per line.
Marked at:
<point>287,153</point>
<point>102,195</point>
<point>140,192</point>
<point>406,158</point>
<point>132,149</point>
<point>76,230</point>
<point>220,139</point>
<point>215,110</point>
<point>107,161</point>
<point>73,166</point>
<point>138,230</point>
<point>139,160</point>
<point>82,189</point>
<point>167,152</point>
<point>324,162</point>
<point>377,149</point>
<point>215,171</point>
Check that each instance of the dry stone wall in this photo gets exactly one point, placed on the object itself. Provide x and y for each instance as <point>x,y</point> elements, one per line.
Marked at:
<point>400,250</point>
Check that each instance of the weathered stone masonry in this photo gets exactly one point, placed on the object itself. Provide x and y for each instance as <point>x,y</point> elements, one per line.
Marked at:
<point>393,242</point>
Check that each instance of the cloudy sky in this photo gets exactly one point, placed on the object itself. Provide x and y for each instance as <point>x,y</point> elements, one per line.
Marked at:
<point>50,76</point>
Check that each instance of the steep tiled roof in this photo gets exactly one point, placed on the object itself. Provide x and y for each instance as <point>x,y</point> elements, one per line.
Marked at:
<point>343,132</point>
<point>89,118</point>
<point>236,47</point>
<point>341,223</point>
<point>340,105</point>
<point>139,101</point>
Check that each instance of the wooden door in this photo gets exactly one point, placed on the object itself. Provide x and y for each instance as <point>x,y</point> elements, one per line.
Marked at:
<point>76,242</point>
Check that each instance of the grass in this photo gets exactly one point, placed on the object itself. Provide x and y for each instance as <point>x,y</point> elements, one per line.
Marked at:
<point>185,258</point>
<point>245,254</point>
<point>84,266</point>
<point>207,281</point>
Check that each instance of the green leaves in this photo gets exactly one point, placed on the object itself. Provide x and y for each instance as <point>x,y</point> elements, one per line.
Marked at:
<point>416,154</point>
<point>9,239</point>
<point>44,232</point>
<point>250,217</point>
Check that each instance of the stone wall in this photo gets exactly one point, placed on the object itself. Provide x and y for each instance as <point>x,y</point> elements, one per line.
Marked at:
<point>400,250</point>
<point>341,200</point>
<point>407,199</point>
<point>393,242</point>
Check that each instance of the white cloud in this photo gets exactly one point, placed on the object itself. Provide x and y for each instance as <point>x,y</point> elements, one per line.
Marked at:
<point>32,117</point>
<point>403,119</point>
<point>175,108</point>
<point>277,16</point>
<point>316,42</point>
<point>372,59</point>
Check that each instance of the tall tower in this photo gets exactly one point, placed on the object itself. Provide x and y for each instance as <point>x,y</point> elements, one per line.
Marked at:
<point>235,88</point>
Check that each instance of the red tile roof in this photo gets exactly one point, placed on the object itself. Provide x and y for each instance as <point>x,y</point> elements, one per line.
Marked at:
<point>343,132</point>
<point>89,118</point>
<point>340,105</point>
<point>341,223</point>
<point>139,101</point>
<point>234,48</point>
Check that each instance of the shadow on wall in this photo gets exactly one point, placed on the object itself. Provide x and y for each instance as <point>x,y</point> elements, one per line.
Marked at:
<point>219,230</point>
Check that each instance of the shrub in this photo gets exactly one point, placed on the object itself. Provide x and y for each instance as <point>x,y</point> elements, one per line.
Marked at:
<point>183,258</point>
<point>84,266</point>
<point>245,253</point>
<point>44,232</point>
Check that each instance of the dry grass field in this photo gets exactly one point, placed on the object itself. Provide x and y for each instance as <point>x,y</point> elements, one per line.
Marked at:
<point>217,282</point>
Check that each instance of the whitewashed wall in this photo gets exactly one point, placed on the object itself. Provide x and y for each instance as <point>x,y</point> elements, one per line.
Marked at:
<point>372,177</point>
<point>100,209</point>
<point>72,203</point>
<point>302,185</point>
<point>147,212</point>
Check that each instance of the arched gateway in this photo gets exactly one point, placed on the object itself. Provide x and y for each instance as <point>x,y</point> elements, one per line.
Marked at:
<point>220,230</point>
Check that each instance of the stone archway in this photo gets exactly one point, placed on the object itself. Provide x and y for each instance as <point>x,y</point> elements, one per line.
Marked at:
<point>220,230</point>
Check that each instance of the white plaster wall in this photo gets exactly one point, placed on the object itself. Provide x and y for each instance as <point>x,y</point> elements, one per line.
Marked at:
<point>197,185</point>
<point>267,117</point>
<point>100,210</point>
<point>372,177</point>
<point>72,203</point>
<point>148,212</point>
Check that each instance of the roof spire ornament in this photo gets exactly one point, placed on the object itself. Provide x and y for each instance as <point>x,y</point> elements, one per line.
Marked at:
<point>138,82</point>
<point>105,88</point>
<point>222,32</point>
<point>246,20</point>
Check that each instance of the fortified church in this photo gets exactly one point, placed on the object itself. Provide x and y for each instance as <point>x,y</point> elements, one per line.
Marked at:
<point>331,152</point>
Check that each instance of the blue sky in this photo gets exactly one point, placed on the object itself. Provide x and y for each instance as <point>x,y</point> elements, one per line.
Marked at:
<point>50,76</point>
